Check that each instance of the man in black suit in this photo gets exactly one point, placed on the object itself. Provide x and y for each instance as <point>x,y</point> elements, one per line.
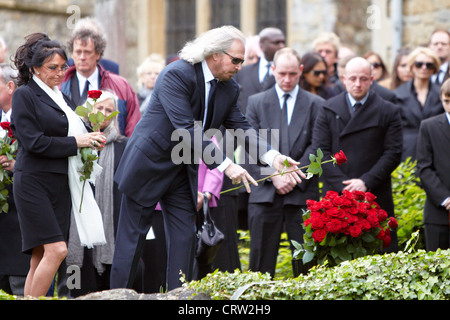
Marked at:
<point>258,77</point>
<point>368,129</point>
<point>278,202</point>
<point>160,162</point>
<point>433,169</point>
<point>252,79</point>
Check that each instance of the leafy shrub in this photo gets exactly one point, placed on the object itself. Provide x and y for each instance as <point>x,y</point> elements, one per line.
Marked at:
<point>409,201</point>
<point>396,276</point>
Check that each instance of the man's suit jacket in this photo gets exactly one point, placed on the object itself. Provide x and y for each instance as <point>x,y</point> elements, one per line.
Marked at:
<point>147,169</point>
<point>433,167</point>
<point>263,112</point>
<point>248,80</point>
<point>371,139</point>
<point>43,142</point>
<point>413,113</point>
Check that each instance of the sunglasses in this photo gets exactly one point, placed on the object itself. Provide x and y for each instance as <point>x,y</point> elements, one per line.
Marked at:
<point>376,65</point>
<point>319,72</point>
<point>234,60</point>
<point>428,65</point>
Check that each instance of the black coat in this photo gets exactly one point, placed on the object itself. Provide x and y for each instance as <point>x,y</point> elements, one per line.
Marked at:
<point>433,167</point>
<point>413,113</point>
<point>371,139</point>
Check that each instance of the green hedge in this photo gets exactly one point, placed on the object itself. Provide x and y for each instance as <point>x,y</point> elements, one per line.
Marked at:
<point>396,276</point>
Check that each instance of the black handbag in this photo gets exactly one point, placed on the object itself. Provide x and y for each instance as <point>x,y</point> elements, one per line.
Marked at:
<point>209,237</point>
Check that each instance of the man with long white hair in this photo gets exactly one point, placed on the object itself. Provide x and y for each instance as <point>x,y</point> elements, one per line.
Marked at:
<point>151,172</point>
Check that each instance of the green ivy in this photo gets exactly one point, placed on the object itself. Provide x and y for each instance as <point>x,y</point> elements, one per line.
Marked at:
<point>396,276</point>
<point>409,201</point>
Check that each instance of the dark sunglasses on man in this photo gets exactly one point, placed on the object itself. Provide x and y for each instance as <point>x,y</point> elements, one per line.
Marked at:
<point>234,60</point>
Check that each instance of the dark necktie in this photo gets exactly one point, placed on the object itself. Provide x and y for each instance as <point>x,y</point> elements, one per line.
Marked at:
<point>437,81</point>
<point>209,111</point>
<point>284,129</point>
<point>356,106</point>
<point>84,96</point>
<point>266,79</point>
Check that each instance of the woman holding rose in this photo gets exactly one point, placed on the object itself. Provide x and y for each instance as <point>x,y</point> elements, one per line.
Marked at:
<point>42,121</point>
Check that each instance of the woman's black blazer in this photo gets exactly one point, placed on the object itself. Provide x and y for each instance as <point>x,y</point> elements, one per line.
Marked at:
<point>40,127</point>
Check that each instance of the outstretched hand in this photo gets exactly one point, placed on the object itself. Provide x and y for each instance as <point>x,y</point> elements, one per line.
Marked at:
<point>238,175</point>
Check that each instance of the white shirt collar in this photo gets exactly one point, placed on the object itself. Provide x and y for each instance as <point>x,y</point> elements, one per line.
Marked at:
<point>447,114</point>
<point>353,101</point>
<point>263,67</point>
<point>93,81</point>
<point>207,74</point>
<point>281,93</point>
<point>6,116</point>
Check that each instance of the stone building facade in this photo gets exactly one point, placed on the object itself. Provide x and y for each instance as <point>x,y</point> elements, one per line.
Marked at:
<point>136,28</point>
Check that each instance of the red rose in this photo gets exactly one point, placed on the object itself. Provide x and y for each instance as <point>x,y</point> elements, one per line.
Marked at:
<point>340,157</point>
<point>393,223</point>
<point>334,226</point>
<point>94,94</point>
<point>319,235</point>
<point>6,126</point>
<point>355,231</point>
<point>370,197</point>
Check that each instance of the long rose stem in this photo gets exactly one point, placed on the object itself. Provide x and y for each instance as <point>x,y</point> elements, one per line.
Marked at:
<point>273,175</point>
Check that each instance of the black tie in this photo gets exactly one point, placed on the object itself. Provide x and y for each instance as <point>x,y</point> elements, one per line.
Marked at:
<point>356,106</point>
<point>284,129</point>
<point>84,96</point>
<point>266,78</point>
<point>437,81</point>
<point>209,111</point>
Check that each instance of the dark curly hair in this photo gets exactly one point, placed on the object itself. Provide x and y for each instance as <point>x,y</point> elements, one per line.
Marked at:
<point>38,47</point>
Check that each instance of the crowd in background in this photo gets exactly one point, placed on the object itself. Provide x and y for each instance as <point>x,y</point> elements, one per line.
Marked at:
<point>413,84</point>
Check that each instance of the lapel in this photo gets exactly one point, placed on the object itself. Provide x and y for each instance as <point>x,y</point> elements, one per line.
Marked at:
<point>444,126</point>
<point>365,117</point>
<point>299,116</point>
<point>220,105</point>
<point>199,110</point>
<point>43,97</point>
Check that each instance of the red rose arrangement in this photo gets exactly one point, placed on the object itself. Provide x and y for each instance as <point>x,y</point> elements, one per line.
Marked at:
<point>9,147</point>
<point>344,227</point>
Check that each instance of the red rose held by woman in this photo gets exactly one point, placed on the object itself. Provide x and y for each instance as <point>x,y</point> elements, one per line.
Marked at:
<point>94,94</point>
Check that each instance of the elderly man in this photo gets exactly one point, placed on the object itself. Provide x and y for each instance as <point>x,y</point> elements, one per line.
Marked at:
<point>191,96</point>
<point>368,129</point>
<point>86,46</point>
<point>327,44</point>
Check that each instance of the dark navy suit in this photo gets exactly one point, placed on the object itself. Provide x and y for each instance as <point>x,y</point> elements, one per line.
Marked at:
<point>147,173</point>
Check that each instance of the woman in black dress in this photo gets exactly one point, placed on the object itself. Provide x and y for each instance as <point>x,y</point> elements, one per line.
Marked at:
<point>41,121</point>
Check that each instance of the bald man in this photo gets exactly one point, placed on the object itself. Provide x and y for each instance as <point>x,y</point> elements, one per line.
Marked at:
<point>368,129</point>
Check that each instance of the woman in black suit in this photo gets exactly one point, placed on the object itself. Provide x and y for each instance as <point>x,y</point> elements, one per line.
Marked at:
<point>41,121</point>
<point>418,98</point>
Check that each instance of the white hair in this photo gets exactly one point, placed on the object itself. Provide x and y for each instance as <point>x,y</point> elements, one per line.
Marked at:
<point>213,41</point>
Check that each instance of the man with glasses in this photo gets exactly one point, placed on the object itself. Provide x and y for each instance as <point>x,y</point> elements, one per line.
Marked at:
<point>87,46</point>
<point>369,130</point>
<point>160,162</point>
